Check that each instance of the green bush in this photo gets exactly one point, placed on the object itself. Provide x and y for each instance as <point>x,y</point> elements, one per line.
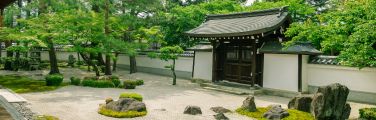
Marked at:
<point>367,113</point>
<point>54,79</point>
<point>294,114</point>
<point>130,84</point>
<point>129,114</point>
<point>131,95</point>
<point>114,77</point>
<point>140,82</point>
<point>75,81</point>
<point>45,117</point>
<point>98,83</point>
<point>116,82</point>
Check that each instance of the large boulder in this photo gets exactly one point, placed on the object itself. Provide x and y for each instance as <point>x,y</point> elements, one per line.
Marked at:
<point>192,110</point>
<point>220,116</point>
<point>126,104</point>
<point>249,104</point>
<point>220,109</point>
<point>301,102</point>
<point>329,103</point>
<point>276,112</point>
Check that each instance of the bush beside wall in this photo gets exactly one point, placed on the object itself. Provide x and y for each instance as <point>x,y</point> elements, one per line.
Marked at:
<point>368,113</point>
<point>54,79</point>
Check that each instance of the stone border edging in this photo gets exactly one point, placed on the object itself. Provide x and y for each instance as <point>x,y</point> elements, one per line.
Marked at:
<point>11,109</point>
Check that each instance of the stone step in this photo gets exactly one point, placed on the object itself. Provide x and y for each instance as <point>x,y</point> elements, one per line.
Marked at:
<point>231,90</point>
<point>11,97</point>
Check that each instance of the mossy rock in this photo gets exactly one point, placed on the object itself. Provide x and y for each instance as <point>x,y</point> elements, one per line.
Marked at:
<point>129,114</point>
<point>294,114</point>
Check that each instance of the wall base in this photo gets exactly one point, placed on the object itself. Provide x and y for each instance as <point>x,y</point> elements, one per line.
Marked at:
<point>158,71</point>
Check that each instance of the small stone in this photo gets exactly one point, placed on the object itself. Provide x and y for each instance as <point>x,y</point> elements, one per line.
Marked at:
<point>220,116</point>
<point>108,100</point>
<point>220,109</point>
<point>249,104</point>
<point>192,110</point>
<point>276,112</point>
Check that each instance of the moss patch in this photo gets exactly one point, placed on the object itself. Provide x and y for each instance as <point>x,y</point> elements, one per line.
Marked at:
<point>46,117</point>
<point>116,114</point>
<point>131,95</point>
<point>294,114</point>
<point>21,84</point>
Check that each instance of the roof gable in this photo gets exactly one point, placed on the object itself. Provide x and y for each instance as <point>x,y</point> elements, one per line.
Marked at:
<point>241,24</point>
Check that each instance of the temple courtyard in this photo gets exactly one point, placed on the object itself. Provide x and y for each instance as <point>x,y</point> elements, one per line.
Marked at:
<point>163,101</point>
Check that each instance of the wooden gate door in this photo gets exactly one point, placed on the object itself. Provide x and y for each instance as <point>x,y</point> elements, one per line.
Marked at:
<point>238,63</point>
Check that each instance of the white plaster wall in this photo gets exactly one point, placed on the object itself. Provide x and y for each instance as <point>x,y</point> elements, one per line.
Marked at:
<point>203,65</point>
<point>305,59</point>
<point>356,80</point>
<point>281,72</point>
<point>182,64</point>
<point>61,56</point>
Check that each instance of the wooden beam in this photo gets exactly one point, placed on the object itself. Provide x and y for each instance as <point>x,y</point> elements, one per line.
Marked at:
<point>300,61</point>
<point>254,62</point>
<point>215,62</point>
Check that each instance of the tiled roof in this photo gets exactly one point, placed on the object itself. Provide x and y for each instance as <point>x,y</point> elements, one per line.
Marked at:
<point>241,24</point>
<point>326,60</point>
<point>275,47</point>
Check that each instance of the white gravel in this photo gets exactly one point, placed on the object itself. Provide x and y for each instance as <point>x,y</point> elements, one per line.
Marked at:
<point>164,101</point>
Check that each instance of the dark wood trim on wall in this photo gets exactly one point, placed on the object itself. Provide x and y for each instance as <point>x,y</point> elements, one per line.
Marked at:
<point>254,62</point>
<point>300,61</point>
<point>214,67</point>
<point>262,71</point>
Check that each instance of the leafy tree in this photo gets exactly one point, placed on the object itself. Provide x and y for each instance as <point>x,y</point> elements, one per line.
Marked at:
<point>171,53</point>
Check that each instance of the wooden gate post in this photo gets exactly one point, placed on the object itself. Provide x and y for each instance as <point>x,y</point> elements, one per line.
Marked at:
<point>215,61</point>
<point>254,62</point>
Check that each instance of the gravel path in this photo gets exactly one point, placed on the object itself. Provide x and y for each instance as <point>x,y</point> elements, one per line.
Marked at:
<point>164,101</point>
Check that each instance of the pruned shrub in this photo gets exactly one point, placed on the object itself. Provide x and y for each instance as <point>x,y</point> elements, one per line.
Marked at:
<point>367,113</point>
<point>130,84</point>
<point>140,82</point>
<point>75,81</point>
<point>129,114</point>
<point>115,80</point>
<point>54,79</point>
<point>131,95</point>
<point>98,83</point>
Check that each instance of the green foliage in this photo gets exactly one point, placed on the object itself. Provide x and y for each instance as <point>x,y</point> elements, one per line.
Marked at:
<point>131,95</point>
<point>45,117</point>
<point>75,81</point>
<point>170,52</point>
<point>54,79</point>
<point>116,82</point>
<point>294,114</point>
<point>98,83</point>
<point>367,113</point>
<point>129,114</point>
<point>140,82</point>
<point>345,30</point>
<point>21,84</point>
<point>130,84</point>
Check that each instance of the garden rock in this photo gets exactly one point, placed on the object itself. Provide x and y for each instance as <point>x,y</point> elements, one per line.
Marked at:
<point>249,104</point>
<point>276,112</point>
<point>329,102</point>
<point>192,110</point>
<point>220,109</point>
<point>126,104</point>
<point>220,116</point>
<point>301,102</point>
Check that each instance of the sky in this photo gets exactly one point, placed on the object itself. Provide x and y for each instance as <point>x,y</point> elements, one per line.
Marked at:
<point>249,2</point>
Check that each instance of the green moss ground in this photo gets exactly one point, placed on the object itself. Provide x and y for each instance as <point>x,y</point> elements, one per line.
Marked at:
<point>130,114</point>
<point>294,114</point>
<point>20,84</point>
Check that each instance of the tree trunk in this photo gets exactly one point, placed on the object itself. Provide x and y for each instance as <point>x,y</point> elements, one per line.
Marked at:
<point>108,65</point>
<point>90,63</point>
<point>8,63</point>
<point>115,61</point>
<point>173,73</point>
<point>107,32</point>
<point>53,60</point>
<point>132,64</point>
<point>17,61</point>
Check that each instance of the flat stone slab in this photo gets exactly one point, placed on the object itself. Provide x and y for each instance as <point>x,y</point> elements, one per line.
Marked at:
<point>11,97</point>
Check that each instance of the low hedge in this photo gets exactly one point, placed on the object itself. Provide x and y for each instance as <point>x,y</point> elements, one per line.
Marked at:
<point>294,114</point>
<point>116,82</point>
<point>140,82</point>
<point>129,114</point>
<point>98,83</point>
<point>54,79</point>
<point>367,113</point>
<point>131,95</point>
<point>75,81</point>
<point>130,84</point>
